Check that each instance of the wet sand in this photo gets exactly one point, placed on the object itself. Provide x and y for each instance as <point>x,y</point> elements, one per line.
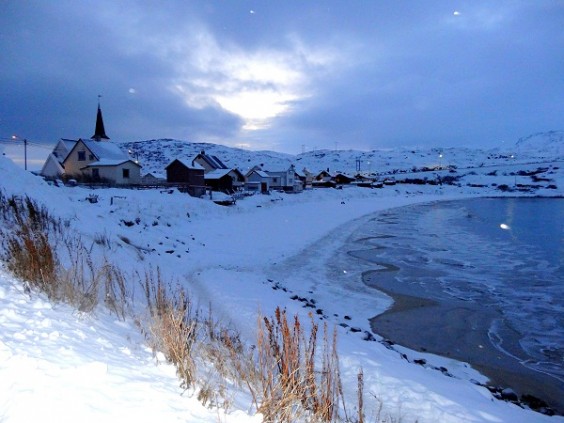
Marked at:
<point>457,330</point>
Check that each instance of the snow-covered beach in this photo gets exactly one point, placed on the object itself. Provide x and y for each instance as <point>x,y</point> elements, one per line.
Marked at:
<point>264,252</point>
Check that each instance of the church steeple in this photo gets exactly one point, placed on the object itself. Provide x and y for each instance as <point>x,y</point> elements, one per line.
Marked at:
<point>99,132</point>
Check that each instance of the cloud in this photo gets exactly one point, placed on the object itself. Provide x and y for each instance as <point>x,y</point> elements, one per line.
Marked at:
<point>366,74</point>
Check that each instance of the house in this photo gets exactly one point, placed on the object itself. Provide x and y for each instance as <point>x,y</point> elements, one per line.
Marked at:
<point>92,160</point>
<point>226,180</point>
<point>208,162</point>
<point>53,167</point>
<point>285,180</point>
<point>151,178</point>
<point>188,175</point>
<point>306,177</point>
<point>96,161</point>
<point>323,180</point>
<point>342,178</point>
<point>257,180</point>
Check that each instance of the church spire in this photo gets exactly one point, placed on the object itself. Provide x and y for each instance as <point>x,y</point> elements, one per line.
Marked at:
<point>99,132</point>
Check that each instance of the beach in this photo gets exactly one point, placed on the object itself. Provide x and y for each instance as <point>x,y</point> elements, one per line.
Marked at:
<point>460,320</point>
<point>458,331</point>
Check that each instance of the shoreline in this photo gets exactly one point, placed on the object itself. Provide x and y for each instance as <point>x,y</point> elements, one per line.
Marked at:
<point>402,324</point>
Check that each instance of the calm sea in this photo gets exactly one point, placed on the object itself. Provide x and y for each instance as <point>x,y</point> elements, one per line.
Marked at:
<point>503,255</point>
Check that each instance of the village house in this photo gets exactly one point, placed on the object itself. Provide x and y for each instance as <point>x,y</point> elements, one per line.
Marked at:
<point>208,163</point>
<point>225,180</point>
<point>327,179</point>
<point>218,177</point>
<point>306,177</point>
<point>92,160</point>
<point>257,180</point>
<point>285,180</point>
<point>189,177</point>
<point>53,166</point>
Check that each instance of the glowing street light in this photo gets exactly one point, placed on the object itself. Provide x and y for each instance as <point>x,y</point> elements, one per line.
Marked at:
<point>16,138</point>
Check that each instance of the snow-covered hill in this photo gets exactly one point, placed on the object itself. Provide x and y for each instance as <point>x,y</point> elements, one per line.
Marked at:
<point>542,144</point>
<point>155,155</point>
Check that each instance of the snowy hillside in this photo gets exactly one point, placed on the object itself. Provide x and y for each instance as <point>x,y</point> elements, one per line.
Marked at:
<point>155,155</point>
<point>542,144</point>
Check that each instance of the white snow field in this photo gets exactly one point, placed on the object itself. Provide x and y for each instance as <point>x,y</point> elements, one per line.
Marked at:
<point>58,364</point>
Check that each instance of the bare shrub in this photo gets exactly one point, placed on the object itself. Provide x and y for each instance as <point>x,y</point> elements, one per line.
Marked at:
<point>173,326</point>
<point>291,383</point>
<point>27,249</point>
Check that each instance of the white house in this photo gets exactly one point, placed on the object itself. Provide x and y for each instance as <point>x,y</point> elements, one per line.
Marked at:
<point>257,180</point>
<point>101,161</point>
<point>285,180</point>
<point>92,159</point>
<point>53,167</point>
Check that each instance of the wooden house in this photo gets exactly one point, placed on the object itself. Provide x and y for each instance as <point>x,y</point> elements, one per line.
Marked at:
<point>191,176</point>
<point>225,180</point>
<point>208,162</point>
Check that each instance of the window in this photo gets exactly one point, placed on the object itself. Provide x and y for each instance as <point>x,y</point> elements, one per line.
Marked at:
<point>125,173</point>
<point>81,156</point>
<point>95,173</point>
<point>91,157</point>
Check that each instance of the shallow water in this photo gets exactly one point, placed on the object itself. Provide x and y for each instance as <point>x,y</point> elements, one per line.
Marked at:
<point>499,258</point>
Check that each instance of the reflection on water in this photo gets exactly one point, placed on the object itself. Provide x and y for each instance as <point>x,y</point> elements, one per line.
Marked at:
<point>503,256</point>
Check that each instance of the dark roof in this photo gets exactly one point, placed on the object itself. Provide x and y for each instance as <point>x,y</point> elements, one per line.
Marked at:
<point>187,165</point>
<point>213,161</point>
<point>99,132</point>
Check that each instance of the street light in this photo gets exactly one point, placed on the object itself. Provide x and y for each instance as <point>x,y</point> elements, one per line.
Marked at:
<point>15,138</point>
<point>440,161</point>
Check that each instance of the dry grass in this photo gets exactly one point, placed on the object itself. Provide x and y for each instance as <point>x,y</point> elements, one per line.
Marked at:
<point>27,249</point>
<point>293,384</point>
<point>172,327</point>
<point>30,239</point>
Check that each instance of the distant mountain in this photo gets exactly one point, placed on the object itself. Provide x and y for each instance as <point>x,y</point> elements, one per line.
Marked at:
<point>155,155</point>
<point>543,144</point>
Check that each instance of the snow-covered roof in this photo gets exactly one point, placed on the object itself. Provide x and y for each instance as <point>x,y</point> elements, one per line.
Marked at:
<point>69,144</point>
<point>110,162</point>
<point>189,165</point>
<point>213,161</point>
<point>217,173</point>
<point>105,150</point>
<point>261,173</point>
<point>52,167</point>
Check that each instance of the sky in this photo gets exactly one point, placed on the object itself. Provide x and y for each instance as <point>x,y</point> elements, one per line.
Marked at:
<point>289,76</point>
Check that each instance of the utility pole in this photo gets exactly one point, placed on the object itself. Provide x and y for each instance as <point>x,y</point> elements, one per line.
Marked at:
<point>15,138</point>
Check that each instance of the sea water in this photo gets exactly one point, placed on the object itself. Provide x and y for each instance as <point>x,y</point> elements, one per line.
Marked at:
<point>498,254</point>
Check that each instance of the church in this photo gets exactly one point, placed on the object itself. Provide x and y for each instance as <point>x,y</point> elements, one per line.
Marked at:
<point>92,160</point>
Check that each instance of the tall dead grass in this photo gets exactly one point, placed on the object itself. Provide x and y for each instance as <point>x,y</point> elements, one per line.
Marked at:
<point>28,252</point>
<point>295,378</point>
<point>173,326</point>
<point>30,241</point>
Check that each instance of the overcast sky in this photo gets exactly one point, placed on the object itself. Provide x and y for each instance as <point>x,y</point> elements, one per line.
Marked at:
<point>284,75</point>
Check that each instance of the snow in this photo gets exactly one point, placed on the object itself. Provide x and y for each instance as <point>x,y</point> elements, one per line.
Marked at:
<point>59,364</point>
